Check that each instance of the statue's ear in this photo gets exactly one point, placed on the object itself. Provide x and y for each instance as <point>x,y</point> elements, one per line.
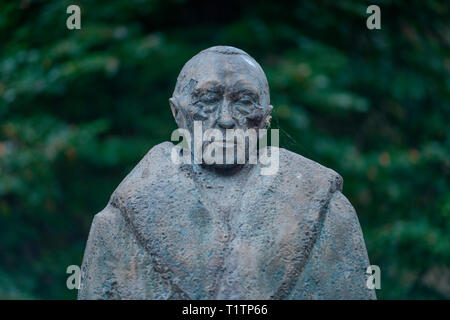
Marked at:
<point>268,116</point>
<point>175,109</point>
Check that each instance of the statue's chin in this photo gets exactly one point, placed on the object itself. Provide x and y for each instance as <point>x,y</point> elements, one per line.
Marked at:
<point>225,169</point>
<point>223,166</point>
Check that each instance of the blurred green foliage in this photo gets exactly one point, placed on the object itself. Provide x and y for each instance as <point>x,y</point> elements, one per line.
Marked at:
<point>78,109</point>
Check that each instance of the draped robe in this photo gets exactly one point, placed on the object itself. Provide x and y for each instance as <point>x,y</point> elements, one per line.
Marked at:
<point>291,235</point>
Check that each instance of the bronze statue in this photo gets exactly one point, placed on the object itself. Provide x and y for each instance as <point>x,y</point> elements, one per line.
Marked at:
<point>225,231</point>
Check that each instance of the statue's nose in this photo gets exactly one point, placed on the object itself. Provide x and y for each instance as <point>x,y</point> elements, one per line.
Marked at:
<point>225,124</point>
<point>225,120</point>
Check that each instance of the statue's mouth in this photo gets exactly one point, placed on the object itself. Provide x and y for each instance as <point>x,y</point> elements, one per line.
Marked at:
<point>224,143</point>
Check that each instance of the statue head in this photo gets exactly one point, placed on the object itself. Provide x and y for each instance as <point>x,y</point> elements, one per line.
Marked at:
<point>224,88</point>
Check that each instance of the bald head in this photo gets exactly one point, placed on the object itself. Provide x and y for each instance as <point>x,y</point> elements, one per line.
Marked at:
<point>224,88</point>
<point>219,63</point>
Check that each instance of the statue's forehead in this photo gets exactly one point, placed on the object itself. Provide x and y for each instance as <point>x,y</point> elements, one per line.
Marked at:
<point>228,71</point>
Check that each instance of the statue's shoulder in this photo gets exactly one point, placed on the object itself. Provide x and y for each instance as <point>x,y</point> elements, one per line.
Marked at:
<point>309,171</point>
<point>157,157</point>
<point>153,168</point>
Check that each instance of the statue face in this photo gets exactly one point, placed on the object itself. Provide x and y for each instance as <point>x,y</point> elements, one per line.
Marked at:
<point>223,92</point>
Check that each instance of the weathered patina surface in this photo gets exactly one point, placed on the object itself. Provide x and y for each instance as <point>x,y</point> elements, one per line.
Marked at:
<point>180,231</point>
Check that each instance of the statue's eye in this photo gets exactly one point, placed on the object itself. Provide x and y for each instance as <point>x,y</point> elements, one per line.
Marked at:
<point>245,105</point>
<point>245,100</point>
<point>209,98</point>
